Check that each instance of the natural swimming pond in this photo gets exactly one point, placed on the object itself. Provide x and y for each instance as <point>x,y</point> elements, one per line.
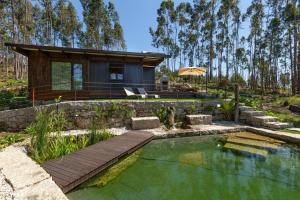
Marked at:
<point>200,168</point>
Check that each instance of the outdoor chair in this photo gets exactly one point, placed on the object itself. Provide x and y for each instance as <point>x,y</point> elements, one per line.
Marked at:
<point>130,93</point>
<point>142,91</point>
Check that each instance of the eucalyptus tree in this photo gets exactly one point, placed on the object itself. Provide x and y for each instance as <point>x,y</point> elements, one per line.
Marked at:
<point>236,23</point>
<point>256,14</point>
<point>47,21</point>
<point>93,16</point>
<point>228,10</point>
<point>118,41</point>
<point>274,35</point>
<point>200,26</point>
<point>162,35</point>
<point>39,24</point>
<point>211,26</point>
<point>66,23</point>
<point>18,28</point>
<point>103,29</point>
<point>223,36</point>
<point>290,20</point>
<point>4,36</point>
<point>183,11</point>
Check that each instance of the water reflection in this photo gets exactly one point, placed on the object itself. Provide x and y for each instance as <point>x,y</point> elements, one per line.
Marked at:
<point>195,168</point>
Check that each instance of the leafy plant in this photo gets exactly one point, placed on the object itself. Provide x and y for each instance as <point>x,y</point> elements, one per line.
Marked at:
<point>227,110</point>
<point>9,100</point>
<point>252,102</point>
<point>164,115</point>
<point>193,107</point>
<point>11,139</point>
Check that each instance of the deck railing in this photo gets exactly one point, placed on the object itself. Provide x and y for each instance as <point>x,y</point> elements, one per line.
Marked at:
<point>104,90</point>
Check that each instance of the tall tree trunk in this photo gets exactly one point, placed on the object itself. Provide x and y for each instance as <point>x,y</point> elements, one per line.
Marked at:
<point>220,60</point>
<point>295,60</point>
<point>211,46</point>
<point>293,79</point>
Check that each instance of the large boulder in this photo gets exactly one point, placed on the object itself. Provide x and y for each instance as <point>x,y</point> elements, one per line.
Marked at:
<point>199,119</point>
<point>139,123</point>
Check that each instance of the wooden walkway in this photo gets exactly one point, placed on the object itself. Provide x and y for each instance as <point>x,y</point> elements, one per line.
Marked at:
<point>71,170</point>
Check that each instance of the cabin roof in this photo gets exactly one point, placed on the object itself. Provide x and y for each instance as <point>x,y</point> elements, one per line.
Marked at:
<point>26,49</point>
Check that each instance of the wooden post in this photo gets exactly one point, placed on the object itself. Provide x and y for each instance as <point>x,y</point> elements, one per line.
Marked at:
<point>237,103</point>
<point>33,97</point>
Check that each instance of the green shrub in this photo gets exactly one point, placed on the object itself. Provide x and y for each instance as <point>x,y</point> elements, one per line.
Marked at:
<point>11,139</point>
<point>227,110</point>
<point>165,115</point>
<point>19,102</point>
<point>285,117</point>
<point>252,102</point>
<point>45,146</point>
<point>11,101</point>
<point>5,99</point>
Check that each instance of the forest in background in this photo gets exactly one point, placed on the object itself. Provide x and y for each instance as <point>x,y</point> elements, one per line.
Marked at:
<point>55,22</point>
<point>208,33</point>
<point>200,33</point>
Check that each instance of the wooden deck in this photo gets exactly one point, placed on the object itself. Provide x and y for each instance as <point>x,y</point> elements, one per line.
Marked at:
<point>71,170</point>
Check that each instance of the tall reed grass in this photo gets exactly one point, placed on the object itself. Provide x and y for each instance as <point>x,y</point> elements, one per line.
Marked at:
<point>47,141</point>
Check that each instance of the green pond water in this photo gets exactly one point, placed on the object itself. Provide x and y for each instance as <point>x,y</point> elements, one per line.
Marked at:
<point>198,168</point>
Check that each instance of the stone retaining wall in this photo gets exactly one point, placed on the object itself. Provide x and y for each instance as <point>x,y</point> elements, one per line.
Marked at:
<point>80,113</point>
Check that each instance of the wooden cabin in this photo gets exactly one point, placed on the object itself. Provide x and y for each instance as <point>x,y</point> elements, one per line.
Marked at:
<point>74,73</point>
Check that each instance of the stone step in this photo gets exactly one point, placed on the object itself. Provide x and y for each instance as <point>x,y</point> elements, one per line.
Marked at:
<point>246,108</point>
<point>199,119</point>
<point>139,123</point>
<point>251,113</point>
<point>246,150</point>
<point>278,125</point>
<point>253,143</point>
<point>252,136</point>
<point>261,120</point>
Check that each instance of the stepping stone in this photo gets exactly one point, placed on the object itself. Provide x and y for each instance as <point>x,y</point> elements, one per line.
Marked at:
<point>246,150</point>
<point>253,143</point>
<point>252,136</point>
<point>278,125</point>
<point>261,120</point>
<point>199,119</point>
<point>139,123</point>
<point>294,129</point>
<point>246,108</point>
<point>252,113</point>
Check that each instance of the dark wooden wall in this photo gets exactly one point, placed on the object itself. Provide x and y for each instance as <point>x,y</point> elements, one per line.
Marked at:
<point>95,69</point>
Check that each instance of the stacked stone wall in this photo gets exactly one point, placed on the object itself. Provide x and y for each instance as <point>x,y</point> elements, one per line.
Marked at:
<point>80,113</point>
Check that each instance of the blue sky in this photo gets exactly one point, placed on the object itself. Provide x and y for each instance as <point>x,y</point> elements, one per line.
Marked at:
<point>138,15</point>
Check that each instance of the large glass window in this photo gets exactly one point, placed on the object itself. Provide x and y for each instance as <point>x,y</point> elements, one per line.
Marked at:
<point>61,76</point>
<point>66,76</point>
<point>116,72</point>
<point>77,76</point>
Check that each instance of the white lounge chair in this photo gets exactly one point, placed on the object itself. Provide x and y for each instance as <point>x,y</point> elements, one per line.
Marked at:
<point>142,91</point>
<point>130,93</point>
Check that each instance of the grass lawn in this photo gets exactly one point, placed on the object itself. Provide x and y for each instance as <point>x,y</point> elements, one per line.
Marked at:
<point>160,100</point>
<point>285,117</point>
<point>294,100</point>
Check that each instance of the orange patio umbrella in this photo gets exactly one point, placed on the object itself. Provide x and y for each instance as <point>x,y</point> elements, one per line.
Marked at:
<point>192,71</point>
